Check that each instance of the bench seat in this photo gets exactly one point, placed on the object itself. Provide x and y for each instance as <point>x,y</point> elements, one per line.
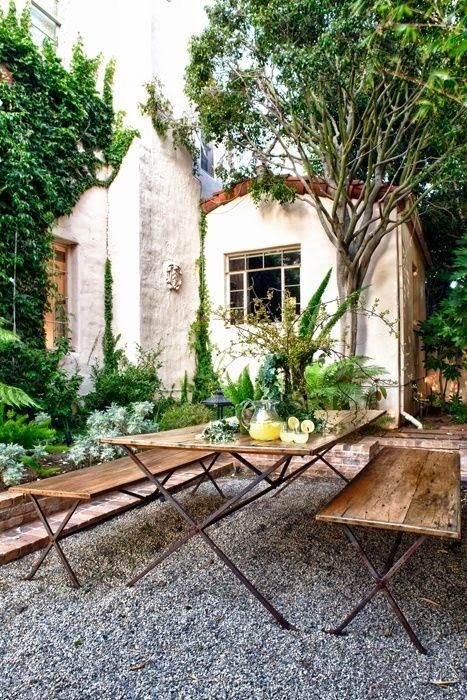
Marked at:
<point>410,491</point>
<point>170,469</point>
<point>402,489</point>
<point>91,482</point>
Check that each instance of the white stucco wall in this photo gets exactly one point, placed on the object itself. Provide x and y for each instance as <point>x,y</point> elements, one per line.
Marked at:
<point>83,230</point>
<point>149,215</point>
<point>241,226</point>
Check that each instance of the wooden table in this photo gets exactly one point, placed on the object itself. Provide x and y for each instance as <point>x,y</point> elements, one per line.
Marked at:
<point>279,473</point>
<point>405,490</point>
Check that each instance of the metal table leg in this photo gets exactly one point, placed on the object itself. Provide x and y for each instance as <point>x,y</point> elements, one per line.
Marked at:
<point>198,528</point>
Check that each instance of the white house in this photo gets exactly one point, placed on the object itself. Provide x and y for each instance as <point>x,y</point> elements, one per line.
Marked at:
<point>250,247</point>
<point>148,218</point>
<point>146,222</point>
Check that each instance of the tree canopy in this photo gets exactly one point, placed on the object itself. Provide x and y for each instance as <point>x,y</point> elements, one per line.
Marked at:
<point>296,86</point>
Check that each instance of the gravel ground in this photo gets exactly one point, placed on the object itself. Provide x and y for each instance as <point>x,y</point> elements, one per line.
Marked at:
<point>190,630</point>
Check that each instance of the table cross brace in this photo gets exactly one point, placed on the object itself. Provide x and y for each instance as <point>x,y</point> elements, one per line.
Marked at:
<point>389,570</point>
<point>198,528</point>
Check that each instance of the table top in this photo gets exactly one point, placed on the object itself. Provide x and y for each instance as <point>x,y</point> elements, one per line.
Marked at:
<point>347,422</point>
<point>402,489</point>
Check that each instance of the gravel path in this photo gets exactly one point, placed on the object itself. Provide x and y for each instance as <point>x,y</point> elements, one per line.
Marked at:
<point>190,630</point>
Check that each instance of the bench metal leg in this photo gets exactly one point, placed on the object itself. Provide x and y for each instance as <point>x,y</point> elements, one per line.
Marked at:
<point>53,541</point>
<point>390,569</point>
<point>198,528</point>
<point>207,475</point>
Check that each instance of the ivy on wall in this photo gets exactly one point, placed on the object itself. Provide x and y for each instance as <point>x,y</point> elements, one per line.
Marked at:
<point>108,339</point>
<point>158,108</point>
<point>57,133</point>
<point>204,380</point>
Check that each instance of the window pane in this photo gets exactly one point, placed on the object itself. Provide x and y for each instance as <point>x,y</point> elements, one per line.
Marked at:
<point>237,316</point>
<point>254,262</point>
<point>236,300</point>
<point>292,275</point>
<point>236,282</point>
<point>273,260</point>
<point>291,257</point>
<point>236,264</point>
<point>43,23</point>
<point>259,285</point>
<point>293,292</point>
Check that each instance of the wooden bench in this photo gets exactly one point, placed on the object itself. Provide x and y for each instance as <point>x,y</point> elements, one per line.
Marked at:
<point>174,468</point>
<point>405,490</point>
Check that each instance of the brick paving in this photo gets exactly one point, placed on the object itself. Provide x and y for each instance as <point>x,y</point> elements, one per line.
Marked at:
<point>31,536</point>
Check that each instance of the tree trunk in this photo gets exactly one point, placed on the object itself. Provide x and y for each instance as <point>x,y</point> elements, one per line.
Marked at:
<point>346,284</point>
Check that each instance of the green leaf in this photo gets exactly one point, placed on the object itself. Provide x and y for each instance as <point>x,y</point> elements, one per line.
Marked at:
<point>12,396</point>
<point>310,315</point>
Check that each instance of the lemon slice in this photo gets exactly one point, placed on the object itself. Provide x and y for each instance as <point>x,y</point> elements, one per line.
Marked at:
<point>307,426</point>
<point>300,438</point>
<point>293,423</point>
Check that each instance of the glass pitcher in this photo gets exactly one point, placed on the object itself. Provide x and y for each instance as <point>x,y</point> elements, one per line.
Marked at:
<point>261,420</point>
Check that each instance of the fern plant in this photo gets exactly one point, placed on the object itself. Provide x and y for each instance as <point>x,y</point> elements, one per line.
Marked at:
<point>240,390</point>
<point>344,384</point>
<point>20,430</point>
<point>12,395</point>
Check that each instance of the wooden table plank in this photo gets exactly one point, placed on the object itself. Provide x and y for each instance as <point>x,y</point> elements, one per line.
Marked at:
<point>437,500</point>
<point>190,438</point>
<point>402,489</point>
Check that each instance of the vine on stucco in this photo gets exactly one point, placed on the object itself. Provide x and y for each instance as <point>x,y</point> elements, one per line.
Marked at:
<point>183,129</point>
<point>58,134</point>
<point>109,341</point>
<point>204,380</point>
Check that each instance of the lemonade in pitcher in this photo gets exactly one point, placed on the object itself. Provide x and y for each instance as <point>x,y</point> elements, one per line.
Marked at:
<point>264,423</point>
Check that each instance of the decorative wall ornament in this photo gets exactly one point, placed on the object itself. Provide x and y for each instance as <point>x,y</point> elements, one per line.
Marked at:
<point>173,276</point>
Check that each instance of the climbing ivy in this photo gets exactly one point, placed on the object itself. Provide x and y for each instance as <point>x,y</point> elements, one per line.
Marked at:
<point>109,342</point>
<point>183,130</point>
<point>205,379</point>
<point>57,134</point>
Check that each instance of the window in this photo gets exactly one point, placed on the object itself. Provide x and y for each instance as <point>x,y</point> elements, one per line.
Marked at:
<point>44,22</point>
<point>268,275</point>
<point>56,319</point>
<point>206,160</point>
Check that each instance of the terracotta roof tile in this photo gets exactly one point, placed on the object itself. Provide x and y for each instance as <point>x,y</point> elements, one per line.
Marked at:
<point>320,187</point>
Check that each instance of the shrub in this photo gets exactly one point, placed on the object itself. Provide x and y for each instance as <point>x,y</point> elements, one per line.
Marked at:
<point>112,422</point>
<point>126,382</point>
<point>38,372</point>
<point>19,430</point>
<point>457,409</point>
<point>184,414</point>
<point>14,458</point>
<point>11,465</point>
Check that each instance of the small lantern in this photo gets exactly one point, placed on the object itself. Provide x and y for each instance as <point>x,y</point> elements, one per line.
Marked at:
<point>217,401</point>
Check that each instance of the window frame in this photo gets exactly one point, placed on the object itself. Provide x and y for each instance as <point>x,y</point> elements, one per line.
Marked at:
<point>55,328</point>
<point>52,18</point>
<point>294,248</point>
